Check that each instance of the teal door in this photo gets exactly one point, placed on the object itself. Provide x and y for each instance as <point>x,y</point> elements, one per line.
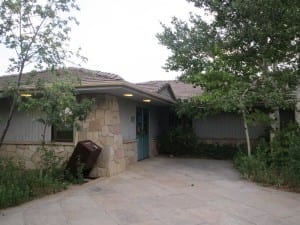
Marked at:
<point>142,132</point>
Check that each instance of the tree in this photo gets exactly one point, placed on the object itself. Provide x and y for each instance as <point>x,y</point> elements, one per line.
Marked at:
<point>58,106</point>
<point>38,32</point>
<point>247,55</point>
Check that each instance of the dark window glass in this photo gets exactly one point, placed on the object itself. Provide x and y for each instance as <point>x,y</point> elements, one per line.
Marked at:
<point>62,134</point>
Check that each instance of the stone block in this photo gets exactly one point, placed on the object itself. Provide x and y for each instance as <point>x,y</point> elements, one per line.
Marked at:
<point>118,140</point>
<point>115,129</point>
<point>115,105</point>
<point>119,154</point>
<point>94,126</point>
<point>107,141</point>
<point>93,136</point>
<point>105,131</point>
<point>99,114</point>
<point>82,136</point>
<point>36,158</point>
<point>116,168</point>
<point>98,172</point>
<point>111,118</point>
<point>28,153</point>
<point>3,153</point>
<point>59,149</point>
<point>11,148</point>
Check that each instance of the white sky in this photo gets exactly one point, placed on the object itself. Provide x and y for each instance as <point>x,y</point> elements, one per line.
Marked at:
<point>118,36</point>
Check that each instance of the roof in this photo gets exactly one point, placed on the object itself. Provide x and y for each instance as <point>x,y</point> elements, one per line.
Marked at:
<point>181,90</point>
<point>89,81</point>
<point>97,81</point>
<point>80,74</point>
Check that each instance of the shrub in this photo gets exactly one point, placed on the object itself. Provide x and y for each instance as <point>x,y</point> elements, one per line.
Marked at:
<point>19,185</point>
<point>276,164</point>
<point>182,141</point>
<point>286,154</point>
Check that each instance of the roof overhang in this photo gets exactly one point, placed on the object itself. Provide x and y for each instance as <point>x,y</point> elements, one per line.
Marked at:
<point>120,88</point>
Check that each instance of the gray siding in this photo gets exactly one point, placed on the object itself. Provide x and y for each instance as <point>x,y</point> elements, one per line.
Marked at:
<point>224,126</point>
<point>128,119</point>
<point>23,127</point>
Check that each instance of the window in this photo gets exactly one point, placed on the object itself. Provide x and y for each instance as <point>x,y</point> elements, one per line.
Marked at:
<point>62,134</point>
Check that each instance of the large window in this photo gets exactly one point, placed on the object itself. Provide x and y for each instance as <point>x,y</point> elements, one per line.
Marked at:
<point>62,134</point>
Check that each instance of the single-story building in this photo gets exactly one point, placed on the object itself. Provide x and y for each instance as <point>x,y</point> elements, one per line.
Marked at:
<point>126,120</point>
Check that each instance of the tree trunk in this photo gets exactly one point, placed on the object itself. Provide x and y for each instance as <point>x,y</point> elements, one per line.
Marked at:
<point>13,105</point>
<point>10,115</point>
<point>247,133</point>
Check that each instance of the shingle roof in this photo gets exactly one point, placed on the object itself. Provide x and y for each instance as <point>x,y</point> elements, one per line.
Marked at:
<point>181,90</point>
<point>80,74</point>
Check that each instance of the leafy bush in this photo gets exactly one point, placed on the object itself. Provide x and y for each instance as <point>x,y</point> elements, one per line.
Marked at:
<point>182,141</point>
<point>276,164</point>
<point>19,185</point>
<point>178,141</point>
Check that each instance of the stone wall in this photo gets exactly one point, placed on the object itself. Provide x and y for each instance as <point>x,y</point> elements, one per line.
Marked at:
<point>153,148</point>
<point>102,126</point>
<point>130,150</point>
<point>29,154</point>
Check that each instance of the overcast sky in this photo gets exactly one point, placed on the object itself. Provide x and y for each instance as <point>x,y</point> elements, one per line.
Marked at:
<point>118,36</point>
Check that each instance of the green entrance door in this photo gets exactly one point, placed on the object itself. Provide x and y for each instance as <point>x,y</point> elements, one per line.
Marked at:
<point>142,132</point>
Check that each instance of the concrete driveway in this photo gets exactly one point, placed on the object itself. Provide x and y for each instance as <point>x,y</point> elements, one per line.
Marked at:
<point>163,191</point>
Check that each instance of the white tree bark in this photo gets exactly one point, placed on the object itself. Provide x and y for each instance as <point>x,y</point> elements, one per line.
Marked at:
<point>297,110</point>
<point>247,133</point>
<point>275,123</point>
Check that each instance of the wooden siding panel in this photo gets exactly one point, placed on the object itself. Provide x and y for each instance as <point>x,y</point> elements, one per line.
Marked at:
<point>224,126</point>
<point>23,126</point>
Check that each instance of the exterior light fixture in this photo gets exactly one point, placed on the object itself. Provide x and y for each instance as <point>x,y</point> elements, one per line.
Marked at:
<point>26,95</point>
<point>147,100</point>
<point>128,95</point>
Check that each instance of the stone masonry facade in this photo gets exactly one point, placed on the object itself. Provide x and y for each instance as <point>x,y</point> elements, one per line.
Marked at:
<point>130,150</point>
<point>103,127</point>
<point>30,155</point>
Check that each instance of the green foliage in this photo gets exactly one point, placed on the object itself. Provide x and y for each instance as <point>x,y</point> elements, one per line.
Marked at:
<point>278,164</point>
<point>37,31</point>
<point>182,141</point>
<point>178,141</point>
<point>50,164</point>
<point>240,59</point>
<point>19,185</point>
<point>58,105</point>
<point>77,178</point>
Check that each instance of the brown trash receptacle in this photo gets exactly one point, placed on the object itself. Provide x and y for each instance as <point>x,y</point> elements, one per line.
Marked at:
<point>86,153</point>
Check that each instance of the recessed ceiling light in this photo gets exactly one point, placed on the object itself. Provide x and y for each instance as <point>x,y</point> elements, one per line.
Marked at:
<point>128,95</point>
<point>147,100</point>
<point>26,94</point>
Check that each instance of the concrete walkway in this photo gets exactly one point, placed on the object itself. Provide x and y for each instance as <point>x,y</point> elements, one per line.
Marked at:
<point>163,191</point>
